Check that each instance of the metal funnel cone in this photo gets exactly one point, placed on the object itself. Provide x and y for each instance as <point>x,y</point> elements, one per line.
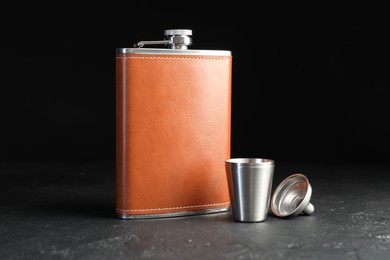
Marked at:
<point>292,197</point>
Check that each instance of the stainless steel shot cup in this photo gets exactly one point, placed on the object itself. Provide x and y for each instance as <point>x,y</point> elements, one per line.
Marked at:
<point>250,185</point>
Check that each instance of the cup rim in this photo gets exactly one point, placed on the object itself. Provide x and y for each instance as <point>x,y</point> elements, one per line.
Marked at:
<point>250,161</point>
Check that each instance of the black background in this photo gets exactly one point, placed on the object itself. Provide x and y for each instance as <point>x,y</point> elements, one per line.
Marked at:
<point>310,79</point>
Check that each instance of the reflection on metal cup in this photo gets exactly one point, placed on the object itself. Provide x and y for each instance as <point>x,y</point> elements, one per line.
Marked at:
<point>250,184</point>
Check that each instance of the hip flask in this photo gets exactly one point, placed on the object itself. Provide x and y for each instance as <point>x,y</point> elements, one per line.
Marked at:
<point>173,127</point>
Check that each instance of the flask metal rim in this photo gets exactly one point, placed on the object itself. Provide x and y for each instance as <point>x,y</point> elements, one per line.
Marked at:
<point>173,51</point>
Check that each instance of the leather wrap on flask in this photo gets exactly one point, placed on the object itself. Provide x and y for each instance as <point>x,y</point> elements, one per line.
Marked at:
<point>173,133</point>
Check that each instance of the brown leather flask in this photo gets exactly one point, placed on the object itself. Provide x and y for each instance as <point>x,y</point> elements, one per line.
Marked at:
<point>173,129</point>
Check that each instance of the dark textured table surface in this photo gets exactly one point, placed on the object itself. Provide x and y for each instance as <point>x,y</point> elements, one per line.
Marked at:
<point>66,211</point>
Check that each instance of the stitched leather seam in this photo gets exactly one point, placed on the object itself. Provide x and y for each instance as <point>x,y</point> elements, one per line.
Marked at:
<point>176,58</point>
<point>181,207</point>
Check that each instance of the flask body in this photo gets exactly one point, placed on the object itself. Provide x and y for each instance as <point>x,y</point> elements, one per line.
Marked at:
<point>173,126</point>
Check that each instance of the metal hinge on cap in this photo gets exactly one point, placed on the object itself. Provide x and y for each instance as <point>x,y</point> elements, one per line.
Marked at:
<point>174,38</point>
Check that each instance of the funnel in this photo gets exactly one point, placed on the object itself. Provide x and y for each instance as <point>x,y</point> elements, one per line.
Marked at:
<point>292,197</point>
